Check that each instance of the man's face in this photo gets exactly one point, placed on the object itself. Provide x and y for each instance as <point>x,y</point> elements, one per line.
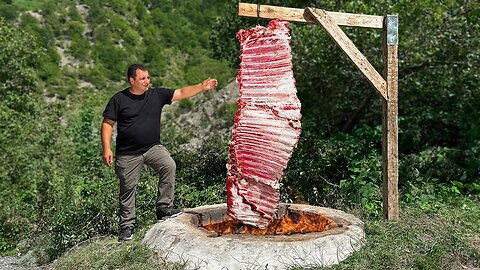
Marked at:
<point>141,80</point>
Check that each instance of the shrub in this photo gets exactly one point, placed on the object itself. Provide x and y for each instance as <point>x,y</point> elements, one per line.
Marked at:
<point>19,58</point>
<point>336,170</point>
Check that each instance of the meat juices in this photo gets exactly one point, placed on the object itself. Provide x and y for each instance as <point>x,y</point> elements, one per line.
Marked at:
<point>266,125</point>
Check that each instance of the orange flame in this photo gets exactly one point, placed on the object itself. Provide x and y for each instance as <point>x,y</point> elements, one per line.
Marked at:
<point>291,223</point>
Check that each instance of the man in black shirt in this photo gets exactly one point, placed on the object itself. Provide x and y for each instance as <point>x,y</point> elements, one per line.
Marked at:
<point>137,111</point>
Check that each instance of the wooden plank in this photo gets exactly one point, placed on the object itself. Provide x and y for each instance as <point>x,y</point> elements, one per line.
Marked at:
<point>390,139</point>
<point>347,46</point>
<point>356,20</point>
<point>390,125</point>
<point>298,15</point>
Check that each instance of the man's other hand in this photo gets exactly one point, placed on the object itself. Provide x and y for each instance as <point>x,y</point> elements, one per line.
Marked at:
<point>108,157</point>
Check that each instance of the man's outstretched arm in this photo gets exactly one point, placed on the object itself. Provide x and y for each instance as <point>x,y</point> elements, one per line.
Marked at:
<point>192,90</point>
<point>107,129</point>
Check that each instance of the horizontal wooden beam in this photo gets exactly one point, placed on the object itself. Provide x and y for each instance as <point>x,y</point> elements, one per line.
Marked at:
<point>347,46</point>
<point>298,15</point>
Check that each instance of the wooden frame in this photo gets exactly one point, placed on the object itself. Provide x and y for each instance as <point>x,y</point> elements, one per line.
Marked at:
<point>386,85</point>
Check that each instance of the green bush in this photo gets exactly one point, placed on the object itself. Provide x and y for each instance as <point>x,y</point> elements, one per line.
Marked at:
<point>27,168</point>
<point>337,170</point>
<point>227,111</point>
<point>28,4</point>
<point>8,12</point>
<point>93,75</point>
<point>434,176</point>
<point>80,49</point>
<point>201,173</point>
<point>74,29</point>
<point>19,58</point>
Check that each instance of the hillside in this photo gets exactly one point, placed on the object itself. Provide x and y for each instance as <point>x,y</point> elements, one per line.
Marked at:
<point>204,116</point>
<point>91,43</point>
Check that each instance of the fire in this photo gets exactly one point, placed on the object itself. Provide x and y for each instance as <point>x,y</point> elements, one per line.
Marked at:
<point>291,223</point>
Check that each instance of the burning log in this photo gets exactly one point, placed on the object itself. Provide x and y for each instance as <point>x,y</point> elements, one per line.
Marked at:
<point>266,126</point>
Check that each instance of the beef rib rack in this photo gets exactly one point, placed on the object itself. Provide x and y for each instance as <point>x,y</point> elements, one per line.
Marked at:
<point>266,125</point>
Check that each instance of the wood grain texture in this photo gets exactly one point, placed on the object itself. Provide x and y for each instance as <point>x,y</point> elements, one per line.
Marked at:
<point>390,136</point>
<point>298,15</point>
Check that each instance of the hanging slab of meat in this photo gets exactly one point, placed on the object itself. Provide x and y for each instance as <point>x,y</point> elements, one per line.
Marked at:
<point>266,126</point>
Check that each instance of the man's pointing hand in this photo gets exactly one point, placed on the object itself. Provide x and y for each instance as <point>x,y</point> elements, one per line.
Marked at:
<point>209,84</point>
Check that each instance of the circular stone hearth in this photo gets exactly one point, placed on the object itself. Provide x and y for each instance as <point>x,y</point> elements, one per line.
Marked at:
<point>182,239</point>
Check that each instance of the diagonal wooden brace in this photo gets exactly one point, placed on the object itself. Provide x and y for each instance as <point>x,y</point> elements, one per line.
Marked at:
<point>347,46</point>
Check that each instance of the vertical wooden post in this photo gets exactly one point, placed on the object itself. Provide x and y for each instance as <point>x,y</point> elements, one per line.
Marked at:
<point>390,120</point>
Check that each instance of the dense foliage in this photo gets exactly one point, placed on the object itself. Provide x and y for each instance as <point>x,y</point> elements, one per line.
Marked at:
<point>62,60</point>
<point>60,63</point>
<point>339,153</point>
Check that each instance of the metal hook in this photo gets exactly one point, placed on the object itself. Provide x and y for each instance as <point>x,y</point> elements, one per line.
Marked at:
<point>258,14</point>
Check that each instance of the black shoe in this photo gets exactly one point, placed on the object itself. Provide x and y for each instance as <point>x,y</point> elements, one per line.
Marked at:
<point>126,234</point>
<point>167,212</point>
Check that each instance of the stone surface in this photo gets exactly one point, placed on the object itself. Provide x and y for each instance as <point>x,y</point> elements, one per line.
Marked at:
<point>9,262</point>
<point>182,241</point>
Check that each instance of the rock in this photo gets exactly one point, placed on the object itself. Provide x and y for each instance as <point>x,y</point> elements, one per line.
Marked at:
<point>9,262</point>
<point>203,119</point>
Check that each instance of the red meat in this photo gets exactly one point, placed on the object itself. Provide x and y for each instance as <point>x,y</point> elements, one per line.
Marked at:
<point>266,126</point>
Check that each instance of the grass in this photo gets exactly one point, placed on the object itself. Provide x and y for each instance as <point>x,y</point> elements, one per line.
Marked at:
<point>109,253</point>
<point>447,238</point>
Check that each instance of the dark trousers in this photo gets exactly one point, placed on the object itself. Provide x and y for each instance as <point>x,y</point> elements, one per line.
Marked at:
<point>128,169</point>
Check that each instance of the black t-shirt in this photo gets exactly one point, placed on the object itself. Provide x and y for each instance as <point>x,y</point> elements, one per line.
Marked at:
<point>138,118</point>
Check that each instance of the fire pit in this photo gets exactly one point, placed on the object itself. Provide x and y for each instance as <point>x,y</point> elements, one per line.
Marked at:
<point>302,235</point>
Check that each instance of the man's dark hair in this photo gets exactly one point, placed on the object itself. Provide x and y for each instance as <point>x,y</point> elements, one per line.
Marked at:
<point>132,71</point>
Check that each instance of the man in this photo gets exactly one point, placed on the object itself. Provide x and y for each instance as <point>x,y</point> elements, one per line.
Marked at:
<point>137,111</point>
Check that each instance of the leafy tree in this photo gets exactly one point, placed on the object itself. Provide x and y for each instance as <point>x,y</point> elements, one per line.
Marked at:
<point>18,60</point>
<point>18,140</point>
